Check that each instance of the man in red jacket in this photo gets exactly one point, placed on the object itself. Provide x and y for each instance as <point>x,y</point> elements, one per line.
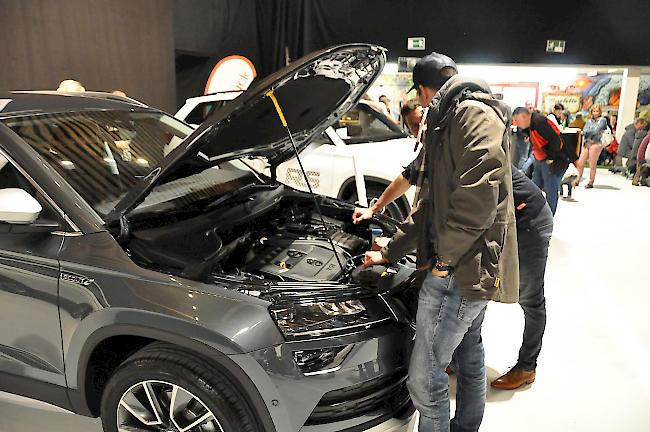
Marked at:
<point>550,160</point>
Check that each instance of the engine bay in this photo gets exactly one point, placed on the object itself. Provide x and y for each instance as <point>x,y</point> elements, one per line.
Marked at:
<point>283,242</point>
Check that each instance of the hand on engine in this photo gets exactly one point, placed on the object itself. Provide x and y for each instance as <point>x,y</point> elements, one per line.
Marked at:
<point>361,214</point>
<point>372,258</point>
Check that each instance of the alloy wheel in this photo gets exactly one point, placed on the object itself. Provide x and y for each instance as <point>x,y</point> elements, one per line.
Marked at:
<point>158,406</point>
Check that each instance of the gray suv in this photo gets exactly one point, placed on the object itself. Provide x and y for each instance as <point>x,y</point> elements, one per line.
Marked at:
<point>161,278</point>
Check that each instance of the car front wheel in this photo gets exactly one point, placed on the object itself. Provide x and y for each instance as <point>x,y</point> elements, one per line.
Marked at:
<point>162,388</point>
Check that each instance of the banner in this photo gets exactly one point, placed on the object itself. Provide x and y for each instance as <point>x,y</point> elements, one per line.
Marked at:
<point>571,102</point>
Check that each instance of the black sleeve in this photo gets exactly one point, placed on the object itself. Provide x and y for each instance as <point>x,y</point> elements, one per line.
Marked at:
<point>554,146</point>
<point>518,187</point>
<point>411,171</point>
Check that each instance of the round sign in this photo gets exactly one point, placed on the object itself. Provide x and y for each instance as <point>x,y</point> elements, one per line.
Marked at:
<point>232,73</point>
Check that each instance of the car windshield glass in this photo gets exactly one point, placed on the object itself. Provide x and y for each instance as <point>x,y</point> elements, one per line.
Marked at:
<point>101,154</point>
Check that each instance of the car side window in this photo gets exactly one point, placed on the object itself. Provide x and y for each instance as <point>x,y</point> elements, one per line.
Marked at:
<point>202,111</point>
<point>363,124</point>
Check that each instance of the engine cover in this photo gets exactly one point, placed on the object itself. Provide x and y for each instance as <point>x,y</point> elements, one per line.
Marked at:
<point>296,259</point>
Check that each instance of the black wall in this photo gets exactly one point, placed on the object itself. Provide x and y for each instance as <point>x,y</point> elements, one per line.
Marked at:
<point>105,44</point>
<point>504,31</point>
<point>162,51</point>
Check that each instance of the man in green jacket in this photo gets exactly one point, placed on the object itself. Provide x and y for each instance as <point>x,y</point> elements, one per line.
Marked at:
<point>467,240</point>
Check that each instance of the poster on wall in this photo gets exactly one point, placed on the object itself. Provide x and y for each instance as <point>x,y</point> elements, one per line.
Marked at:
<point>571,102</point>
<point>232,73</point>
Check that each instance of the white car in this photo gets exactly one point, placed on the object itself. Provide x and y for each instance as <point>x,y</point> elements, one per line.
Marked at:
<point>356,158</point>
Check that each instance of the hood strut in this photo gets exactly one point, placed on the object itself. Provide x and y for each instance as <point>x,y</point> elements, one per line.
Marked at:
<point>304,173</point>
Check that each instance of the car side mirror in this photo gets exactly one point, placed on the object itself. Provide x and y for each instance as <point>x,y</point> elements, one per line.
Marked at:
<point>17,207</point>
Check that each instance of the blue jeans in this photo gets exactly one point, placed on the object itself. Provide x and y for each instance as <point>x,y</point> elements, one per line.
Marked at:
<point>447,322</point>
<point>533,251</point>
<point>548,180</point>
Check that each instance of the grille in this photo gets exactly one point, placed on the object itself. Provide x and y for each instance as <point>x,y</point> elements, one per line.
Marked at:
<point>385,394</point>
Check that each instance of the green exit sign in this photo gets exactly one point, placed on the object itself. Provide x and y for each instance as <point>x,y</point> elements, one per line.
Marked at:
<point>555,46</point>
<point>415,43</point>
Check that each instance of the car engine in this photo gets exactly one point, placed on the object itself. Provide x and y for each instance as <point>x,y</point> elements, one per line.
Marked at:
<point>285,243</point>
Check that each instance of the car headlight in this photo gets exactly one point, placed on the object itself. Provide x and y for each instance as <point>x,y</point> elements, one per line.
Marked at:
<point>321,318</point>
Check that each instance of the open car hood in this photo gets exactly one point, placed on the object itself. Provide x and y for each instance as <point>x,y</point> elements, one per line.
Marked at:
<point>312,93</point>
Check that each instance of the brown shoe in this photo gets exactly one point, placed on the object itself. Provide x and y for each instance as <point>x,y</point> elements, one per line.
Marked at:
<point>449,371</point>
<point>514,379</point>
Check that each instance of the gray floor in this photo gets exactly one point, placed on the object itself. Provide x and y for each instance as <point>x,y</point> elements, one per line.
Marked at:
<point>594,370</point>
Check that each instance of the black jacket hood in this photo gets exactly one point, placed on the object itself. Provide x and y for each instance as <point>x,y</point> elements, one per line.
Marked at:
<point>312,93</point>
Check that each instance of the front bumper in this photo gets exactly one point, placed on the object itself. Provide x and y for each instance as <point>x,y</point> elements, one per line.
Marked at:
<point>368,388</point>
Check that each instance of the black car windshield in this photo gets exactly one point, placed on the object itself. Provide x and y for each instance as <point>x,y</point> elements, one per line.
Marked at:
<point>105,154</point>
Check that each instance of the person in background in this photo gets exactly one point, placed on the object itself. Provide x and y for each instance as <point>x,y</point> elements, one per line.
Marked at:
<point>118,93</point>
<point>632,161</point>
<point>384,100</point>
<point>578,122</point>
<point>645,168</point>
<point>377,106</point>
<point>411,115</point>
<point>591,144</point>
<point>522,157</point>
<point>612,149</point>
<point>534,230</point>
<point>565,118</point>
<point>550,159</point>
<point>556,114</point>
<point>70,86</point>
<point>613,120</point>
<point>641,159</point>
<point>606,157</point>
<point>627,142</point>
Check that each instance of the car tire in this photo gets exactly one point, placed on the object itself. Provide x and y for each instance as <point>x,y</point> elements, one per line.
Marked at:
<point>171,375</point>
<point>394,210</point>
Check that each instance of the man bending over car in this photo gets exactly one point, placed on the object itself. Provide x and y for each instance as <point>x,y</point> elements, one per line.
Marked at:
<point>466,240</point>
